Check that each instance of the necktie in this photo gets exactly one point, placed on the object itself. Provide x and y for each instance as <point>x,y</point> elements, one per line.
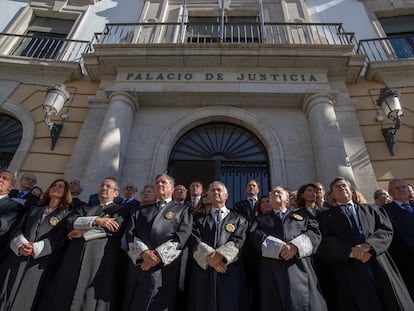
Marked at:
<point>281,215</point>
<point>20,194</point>
<point>218,216</point>
<point>125,201</point>
<point>349,213</point>
<point>195,202</point>
<point>161,204</point>
<point>252,202</point>
<point>407,207</point>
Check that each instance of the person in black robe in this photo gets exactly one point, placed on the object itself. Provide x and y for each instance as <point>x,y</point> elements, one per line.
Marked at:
<point>355,240</point>
<point>35,243</point>
<point>401,213</point>
<point>156,236</point>
<point>88,276</point>
<point>286,241</point>
<point>10,211</point>
<point>217,280</point>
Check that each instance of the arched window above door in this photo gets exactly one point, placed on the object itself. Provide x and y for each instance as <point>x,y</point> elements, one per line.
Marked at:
<point>11,132</point>
<point>219,141</point>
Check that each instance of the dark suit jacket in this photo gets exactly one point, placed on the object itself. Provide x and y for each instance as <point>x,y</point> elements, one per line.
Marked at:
<point>402,245</point>
<point>31,199</point>
<point>10,214</point>
<point>76,203</point>
<point>243,208</point>
<point>132,205</point>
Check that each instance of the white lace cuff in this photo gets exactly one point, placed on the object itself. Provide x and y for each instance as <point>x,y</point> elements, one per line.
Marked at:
<point>42,248</point>
<point>200,254</point>
<point>271,247</point>
<point>135,249</point>
<point>94,233</point>
<point>303,244</point>
<point>228,251</point>
<point>84,223</point>
<point>17,242</point>
<point>168,252</point>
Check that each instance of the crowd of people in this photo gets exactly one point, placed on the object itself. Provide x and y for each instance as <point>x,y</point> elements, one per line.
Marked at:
<point>175,248</point>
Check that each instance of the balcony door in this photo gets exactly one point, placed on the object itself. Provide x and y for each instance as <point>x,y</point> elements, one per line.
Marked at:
<point>44,38</point>
<point>220,151</point>
<point>400,32</point>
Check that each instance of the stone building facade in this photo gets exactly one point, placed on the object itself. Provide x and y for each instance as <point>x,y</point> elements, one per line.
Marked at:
<point>282,91</point>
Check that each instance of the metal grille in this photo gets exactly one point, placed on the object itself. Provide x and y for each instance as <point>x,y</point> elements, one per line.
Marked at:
<point>10,136</point>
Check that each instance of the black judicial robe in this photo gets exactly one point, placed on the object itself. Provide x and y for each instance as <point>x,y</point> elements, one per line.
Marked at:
<point>375,285</point>
<point>25,276</point>
<point>10,214</point>
<point>167,230</point>
<point>210,290</point>
<point>402,245</point>
<point>288,285</point>
<point>89,276</point>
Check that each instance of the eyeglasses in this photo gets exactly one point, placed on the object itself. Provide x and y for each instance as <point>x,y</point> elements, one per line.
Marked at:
<point>129,187</point>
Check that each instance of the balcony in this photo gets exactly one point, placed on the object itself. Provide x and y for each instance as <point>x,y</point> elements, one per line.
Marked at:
<point>28,52</point>
<point>220,45</point>
<point>233,33</point>
<point>388,56</point>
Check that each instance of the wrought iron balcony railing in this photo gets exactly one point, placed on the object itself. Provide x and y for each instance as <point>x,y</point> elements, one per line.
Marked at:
<point>390,48</point>
<point>236,33</point>
<point>42,47</point>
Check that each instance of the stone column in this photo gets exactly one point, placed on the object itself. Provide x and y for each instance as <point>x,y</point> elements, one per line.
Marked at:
<point>328,146</point>
<point>111,142</point>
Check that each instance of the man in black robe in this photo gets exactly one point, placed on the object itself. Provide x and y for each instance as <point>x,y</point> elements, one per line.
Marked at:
<point>286,241</point>
<point>10,211</point>
<point>156,235</point>
<point>401,213</point>
<point>355,240</point>
<point>217,277</point>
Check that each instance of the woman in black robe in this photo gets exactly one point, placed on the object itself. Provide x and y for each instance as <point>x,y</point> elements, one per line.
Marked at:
<point>35,244</point>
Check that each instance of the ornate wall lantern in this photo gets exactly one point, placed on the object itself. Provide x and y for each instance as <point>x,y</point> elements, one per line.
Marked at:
<point>389,101</point>
<point>56,97</point>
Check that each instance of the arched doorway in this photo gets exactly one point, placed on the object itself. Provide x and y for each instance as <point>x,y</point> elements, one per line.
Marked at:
<point>220,151</point>
<point>11,132</point>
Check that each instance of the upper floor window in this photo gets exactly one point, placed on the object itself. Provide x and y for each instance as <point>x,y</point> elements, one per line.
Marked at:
<point>44,37</point>
<point>236,29</point>
<point>400,32</point>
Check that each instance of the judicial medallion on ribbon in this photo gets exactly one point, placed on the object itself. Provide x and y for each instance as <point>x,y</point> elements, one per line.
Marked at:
<point>297,217</point>
<point>169,215</point>
<point>53,221</point>
<point>230,228</point>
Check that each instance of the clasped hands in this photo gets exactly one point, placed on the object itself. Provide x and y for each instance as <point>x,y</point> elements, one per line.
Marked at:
<point>149,259</point>
<point>215,260</point>
<point>288,251</point>
<point>26,249</point>
<point>361,252</point>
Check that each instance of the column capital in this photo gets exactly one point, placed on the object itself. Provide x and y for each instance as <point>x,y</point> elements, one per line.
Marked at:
<point>129,97</point>
<point>315,98</point>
